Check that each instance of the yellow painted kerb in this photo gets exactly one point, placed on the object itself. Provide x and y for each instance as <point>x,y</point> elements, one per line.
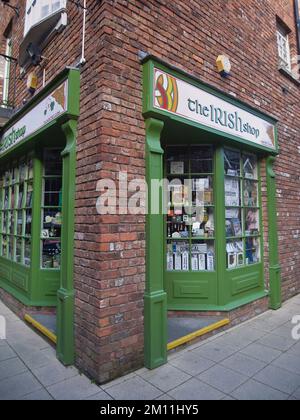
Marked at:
<point>197,334</point>
<point>52,337</point>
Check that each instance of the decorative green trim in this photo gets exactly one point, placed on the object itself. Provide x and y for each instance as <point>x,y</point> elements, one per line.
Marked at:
<point>274,266</point>
<point>224,308</point>
<point>150,63</point>
<point>155,296</point>
<point>65,304</point>
<point>36,227</point>
<point>70,73</point>
<point>220,226</point>
<point>23,298</point>
<point>73,77</point>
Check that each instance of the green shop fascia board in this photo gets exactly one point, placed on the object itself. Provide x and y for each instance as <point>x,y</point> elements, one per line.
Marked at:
<point>73,77</point>
<point>150,63</point>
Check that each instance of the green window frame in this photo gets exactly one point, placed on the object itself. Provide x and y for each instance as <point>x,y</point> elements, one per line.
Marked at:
<point>242,206</point>
<point>16,195</point>
<point>51,209</point>
<point>242,209</point>
<point>190,241</point>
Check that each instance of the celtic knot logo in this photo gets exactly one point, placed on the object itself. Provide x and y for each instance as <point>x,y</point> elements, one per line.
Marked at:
<point>166,92</point>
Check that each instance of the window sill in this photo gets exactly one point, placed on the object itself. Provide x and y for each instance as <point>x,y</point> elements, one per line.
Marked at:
<point>289,75</point>
<point>42,33</point>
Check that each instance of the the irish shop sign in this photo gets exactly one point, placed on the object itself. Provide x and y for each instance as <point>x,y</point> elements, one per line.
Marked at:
<point>182,99</point>
<point>40,115</point>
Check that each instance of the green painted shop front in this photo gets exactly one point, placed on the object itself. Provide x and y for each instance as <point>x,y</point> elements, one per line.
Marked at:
<point>207,239</point>
<point>37,180</point>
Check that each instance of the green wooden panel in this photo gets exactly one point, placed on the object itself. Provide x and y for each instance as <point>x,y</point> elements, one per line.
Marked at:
<point>245,282</point>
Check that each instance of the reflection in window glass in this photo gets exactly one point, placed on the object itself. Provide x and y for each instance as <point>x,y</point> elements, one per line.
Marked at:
<point>232,163</point>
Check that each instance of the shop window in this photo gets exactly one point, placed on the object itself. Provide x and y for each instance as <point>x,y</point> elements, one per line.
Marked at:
<point>39,10</point>
<point>190,201</point>
<point>242,211</point>
<point>283,44</point>
<point>16,193</point>
<point>51,209</point>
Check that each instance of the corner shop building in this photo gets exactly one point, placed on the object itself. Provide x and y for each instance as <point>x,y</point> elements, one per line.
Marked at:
<point>197,263</point>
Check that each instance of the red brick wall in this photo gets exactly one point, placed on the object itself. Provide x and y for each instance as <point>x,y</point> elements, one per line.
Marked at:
<point>110,250</point>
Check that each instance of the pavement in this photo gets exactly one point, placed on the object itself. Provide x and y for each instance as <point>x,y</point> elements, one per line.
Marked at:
<point>258,360</point>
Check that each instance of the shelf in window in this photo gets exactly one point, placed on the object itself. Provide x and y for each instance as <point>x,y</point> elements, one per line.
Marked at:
<point>204,174</point>
<point>178,239</point>
<point>202,238</point>
<point>203,205</point>
<point>233,176</point>
<point>51,238</point>
<point>250,179</point>
<point>187,176</point>
<point>234,238</point>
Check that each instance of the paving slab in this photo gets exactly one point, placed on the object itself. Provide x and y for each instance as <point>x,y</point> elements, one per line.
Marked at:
<point>11,367</point>
<point>195,390</point>
<point>223,379</point>
<point>38,358</point>
<point>255,391</point>
<point>40,395</point>
<point>288,362</point>
<point>296,395</point>
<point>76,388</point>
<point>134,389</point>
<point>166,377</point>
<point>19,385</point>
<point>244,364</point>
<point>215,351</point>
<point>100,396</point>
<point>164,397</point>
<point>54,373</point>
<point>279,379</point>
<point>295,349</point>
<point>262,353</point>
<point>6,352</point>
<point>277,342</point>
<point>192,363</point>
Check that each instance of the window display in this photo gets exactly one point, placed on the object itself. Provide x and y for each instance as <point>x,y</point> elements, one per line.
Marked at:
<point>242,216</point>
<point>16,211</point>
<point>51,209</point>
<point>190,219</point>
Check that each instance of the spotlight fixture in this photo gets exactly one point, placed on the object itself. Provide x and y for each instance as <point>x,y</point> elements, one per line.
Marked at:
<point>224,65</point>
<point>34,54</point>
<point>32,82</point>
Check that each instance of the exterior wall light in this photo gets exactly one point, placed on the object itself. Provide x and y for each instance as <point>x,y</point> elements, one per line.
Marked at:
<point>224,65</point>
<point>32,82</point>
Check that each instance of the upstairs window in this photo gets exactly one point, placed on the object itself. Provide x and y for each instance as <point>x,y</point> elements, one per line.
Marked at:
<point>6,74</point>
<point>39,10</point>
<point>283,44</point>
